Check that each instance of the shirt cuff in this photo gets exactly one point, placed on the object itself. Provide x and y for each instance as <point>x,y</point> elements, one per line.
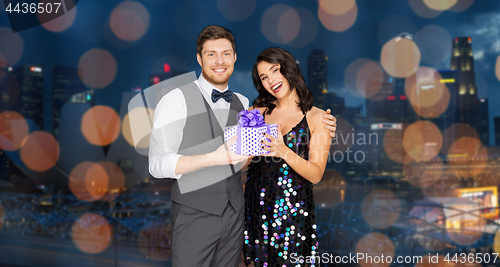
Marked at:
<point>168,169</point>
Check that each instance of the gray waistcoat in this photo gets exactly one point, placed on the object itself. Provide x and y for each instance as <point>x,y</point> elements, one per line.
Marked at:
<point>208,189</point>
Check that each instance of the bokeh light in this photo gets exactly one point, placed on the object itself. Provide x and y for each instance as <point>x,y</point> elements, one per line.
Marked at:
<point>435,110</point>
<point>375,245</point>
<point>96,181</point>
<point>423,173</point>
<point>440,5</point>
<point>13,129</point>
<point>381,209</point>
<point>101,125</point>
<point>11,45</point>
<point>351,76</point>
<point>422,140</point>
<point>497,68</point>
<point>400,57</point>
<point>91,233</point>
<point>455,132</point>
<point>330,192</point>
<point>422,10</point>
<point>338,23</point>
<point>461,5</point>
<point>308,28</point>
<point>393,25</point>
<point>97,68</point>
<point>428,96</point>
<point>78,180</point>
<point>336,7</point>
<point>370,79</point>
<point>155,241</point>
<point>2,216</point>
<point>280,24</point>
<point>467,156</point>
<point>289,25</point>
<point>129,21</point>
<point>115,178</point>
<point>424,87</point>
<point>393,146</point>
<point>465,225</point>
<point>236,10</point>
<point>434,44</point>
<point>58,24</point>
<point>142,126</point>
<point>40,151</point>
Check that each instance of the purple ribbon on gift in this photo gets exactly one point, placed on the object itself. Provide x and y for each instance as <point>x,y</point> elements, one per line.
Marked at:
<point>252,119</point>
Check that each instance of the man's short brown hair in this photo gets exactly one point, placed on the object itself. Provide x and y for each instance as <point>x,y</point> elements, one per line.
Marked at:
<point>214,32</point>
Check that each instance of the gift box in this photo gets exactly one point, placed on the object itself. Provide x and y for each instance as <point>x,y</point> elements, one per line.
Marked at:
<point>250,130</point>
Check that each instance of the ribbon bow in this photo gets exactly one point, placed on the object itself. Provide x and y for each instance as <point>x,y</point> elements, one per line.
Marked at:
<point>250,118</point>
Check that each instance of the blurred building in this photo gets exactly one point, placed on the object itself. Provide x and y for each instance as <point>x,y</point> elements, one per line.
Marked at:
<point>333,102</point>
<point>168,72</point>
<point>354,115</point>
<point>390,104</point>
<point>482,122</point>
<point>65,84</point>
<point>462,61</point>
<point>317,75</point>
<point>30,100</point>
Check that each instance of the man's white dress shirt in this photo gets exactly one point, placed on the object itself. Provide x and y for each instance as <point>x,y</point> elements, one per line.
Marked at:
<point>171,110</point>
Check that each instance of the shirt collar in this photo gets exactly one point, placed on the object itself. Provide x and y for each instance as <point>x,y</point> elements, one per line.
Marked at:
<point>208,87</point>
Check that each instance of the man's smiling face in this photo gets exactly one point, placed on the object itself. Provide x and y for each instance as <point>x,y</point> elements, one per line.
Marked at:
<point>217,62</point>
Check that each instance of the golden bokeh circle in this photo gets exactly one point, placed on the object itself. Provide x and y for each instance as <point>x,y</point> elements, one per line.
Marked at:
<point>91,233</point>
<point>440,5</point>
<point>375,245</point>
<point>400,57</point>
<point>101,125</point>
<point>422,140</point>
<point>13,130</point>
<point>97,68</point>
<point>336,7</point>
<point>142,126</point>
<point>2,216</point>
<point>381,209</point>
<point>40,151</point>
<point>338,23</point>
<point>58,24</point>
<point>129,21</point>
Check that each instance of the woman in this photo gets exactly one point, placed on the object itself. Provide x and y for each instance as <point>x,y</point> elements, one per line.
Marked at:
<point>280,223</point>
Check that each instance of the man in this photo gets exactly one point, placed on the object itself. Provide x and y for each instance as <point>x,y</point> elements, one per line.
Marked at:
<point>187,145</point>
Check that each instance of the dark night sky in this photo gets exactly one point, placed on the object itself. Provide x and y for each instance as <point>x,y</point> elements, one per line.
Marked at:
<point>174,26</point>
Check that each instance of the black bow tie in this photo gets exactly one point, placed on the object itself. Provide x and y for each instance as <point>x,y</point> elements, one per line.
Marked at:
<point>227,95</point>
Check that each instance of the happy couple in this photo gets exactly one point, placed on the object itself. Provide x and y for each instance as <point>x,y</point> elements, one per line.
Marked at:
<point>212,220</point>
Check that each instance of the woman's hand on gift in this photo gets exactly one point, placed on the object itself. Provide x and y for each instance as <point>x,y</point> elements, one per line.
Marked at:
<point>276,146</point>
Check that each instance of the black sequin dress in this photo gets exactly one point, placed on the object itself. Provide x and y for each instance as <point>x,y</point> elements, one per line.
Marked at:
<point>280,225</point>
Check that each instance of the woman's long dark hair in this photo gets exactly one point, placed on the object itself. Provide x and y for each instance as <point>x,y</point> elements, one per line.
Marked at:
<point>289,69</point>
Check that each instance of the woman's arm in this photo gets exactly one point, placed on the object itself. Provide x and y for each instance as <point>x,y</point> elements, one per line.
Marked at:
<point>319,147</point>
